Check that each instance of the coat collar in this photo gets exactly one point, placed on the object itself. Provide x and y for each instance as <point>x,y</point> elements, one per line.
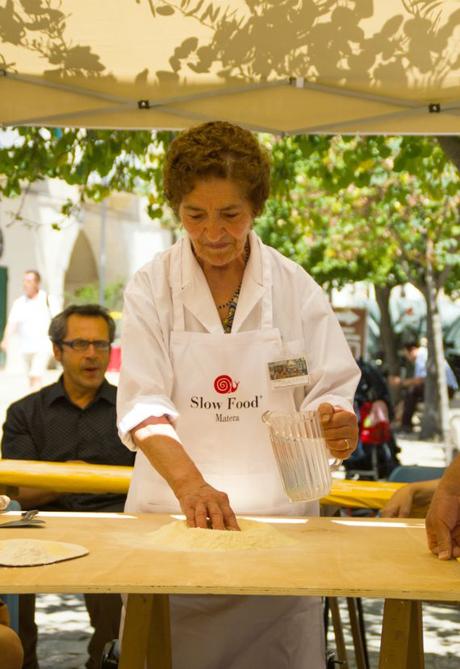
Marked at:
<point>189,280</point>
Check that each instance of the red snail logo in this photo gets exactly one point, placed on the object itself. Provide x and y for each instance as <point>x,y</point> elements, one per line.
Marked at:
<point>224,384</point>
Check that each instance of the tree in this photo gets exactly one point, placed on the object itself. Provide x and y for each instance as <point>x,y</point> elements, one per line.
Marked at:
<point>98,162</point>
<point>386,210</point>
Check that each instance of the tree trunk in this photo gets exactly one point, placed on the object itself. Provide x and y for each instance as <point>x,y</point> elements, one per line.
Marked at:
<point>387,336</point>
<point>436,414</point>
<point>450,144</point>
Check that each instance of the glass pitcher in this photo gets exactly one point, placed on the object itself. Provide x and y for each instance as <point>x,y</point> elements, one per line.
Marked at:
<point>304,463</point>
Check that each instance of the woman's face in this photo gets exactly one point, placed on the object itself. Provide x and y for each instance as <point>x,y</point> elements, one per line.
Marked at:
<point>217,218</point>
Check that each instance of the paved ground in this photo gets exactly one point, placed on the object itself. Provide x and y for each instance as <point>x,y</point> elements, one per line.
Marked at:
<point>441,634</point>
<point>64,626</point>
<point>64,633</point>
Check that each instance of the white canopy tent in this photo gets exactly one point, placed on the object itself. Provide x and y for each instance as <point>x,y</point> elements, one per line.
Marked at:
<point>286,66</point>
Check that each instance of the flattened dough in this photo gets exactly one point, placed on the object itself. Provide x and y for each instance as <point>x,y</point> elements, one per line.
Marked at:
<point>33,552</point>
<point>254,535</point>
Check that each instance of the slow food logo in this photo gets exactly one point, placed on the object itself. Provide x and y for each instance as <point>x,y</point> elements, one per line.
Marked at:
<point>227,409</point>
<point>224,384</point>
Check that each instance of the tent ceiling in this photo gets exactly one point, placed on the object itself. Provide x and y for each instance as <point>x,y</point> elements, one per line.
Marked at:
<point>290,66</point>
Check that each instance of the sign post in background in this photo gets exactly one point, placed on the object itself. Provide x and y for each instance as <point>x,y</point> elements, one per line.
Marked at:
<point>354,325</point>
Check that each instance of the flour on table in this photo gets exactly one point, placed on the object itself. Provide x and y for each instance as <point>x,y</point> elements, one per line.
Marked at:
<point>254,535</point>
<point>32,552</point>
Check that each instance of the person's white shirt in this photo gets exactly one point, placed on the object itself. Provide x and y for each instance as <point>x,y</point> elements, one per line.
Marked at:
<point>420,369</point>
<point>29,320</point>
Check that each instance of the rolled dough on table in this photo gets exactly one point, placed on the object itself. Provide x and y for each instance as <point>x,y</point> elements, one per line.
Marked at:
<point>33,552</point>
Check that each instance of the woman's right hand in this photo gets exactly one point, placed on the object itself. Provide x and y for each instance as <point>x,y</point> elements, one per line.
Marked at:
<point>205,507</point>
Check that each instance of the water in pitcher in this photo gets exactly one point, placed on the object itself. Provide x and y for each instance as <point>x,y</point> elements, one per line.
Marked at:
<point>300,450</point>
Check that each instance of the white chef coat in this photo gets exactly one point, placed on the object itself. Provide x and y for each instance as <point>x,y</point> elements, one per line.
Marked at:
<point>301,312</point>
<point>197,620</point>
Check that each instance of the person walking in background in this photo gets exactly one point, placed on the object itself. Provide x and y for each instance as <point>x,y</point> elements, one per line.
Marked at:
<point>73,419</point>
<point>414,386</point>
<point>29,320</point>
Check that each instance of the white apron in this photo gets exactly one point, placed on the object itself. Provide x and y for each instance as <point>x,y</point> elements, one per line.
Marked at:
<point>221,392</point>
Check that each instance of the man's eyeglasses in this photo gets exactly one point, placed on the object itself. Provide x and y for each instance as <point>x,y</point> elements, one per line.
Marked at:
<point>81,345</point>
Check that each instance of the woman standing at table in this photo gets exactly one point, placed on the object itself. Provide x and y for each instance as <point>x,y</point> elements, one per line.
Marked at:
<point>201,324</point>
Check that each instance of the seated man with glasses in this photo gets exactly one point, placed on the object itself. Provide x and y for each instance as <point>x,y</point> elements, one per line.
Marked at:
<point>73,419</point>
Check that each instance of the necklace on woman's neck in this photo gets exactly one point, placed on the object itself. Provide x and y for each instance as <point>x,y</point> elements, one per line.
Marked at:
<point>234,298</point>
<point>231,300</point>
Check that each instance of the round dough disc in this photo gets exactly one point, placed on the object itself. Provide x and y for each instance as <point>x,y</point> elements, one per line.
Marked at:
<point>33,552</point>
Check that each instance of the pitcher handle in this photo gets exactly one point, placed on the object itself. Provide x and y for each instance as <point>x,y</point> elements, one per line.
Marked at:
<point>266,417</point>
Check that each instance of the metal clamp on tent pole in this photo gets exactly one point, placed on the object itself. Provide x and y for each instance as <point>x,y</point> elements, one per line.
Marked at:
<point>434,108</point>
<point>143,104</point>
<point>297,82</point>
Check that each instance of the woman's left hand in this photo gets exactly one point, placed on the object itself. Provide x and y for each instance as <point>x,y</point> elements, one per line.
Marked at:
<point>340,429</point>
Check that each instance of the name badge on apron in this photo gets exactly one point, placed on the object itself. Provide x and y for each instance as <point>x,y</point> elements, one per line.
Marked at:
<point>288,373</point>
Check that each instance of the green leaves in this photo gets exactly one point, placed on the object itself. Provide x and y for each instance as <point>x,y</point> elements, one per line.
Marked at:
<point>345,208</point>
<point>364,208</point>
<point>97,161</point>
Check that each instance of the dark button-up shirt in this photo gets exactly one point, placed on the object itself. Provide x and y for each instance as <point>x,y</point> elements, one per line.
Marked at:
<point>46,425</point>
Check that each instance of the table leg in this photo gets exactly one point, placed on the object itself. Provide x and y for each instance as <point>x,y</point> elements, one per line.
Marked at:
<point>146,633</point>
<point>402,635</point>
<point>136,630</point>
<point>358,641</point>
<point>159,647</point>
<point>341,654</point>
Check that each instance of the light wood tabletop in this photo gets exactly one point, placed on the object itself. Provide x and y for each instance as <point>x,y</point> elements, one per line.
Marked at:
<point>333,556</point>
<point>350,557</point>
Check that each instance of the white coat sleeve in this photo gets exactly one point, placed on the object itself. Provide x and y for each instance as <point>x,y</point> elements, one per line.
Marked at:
<point>146,376</point>
<point>333,371</point>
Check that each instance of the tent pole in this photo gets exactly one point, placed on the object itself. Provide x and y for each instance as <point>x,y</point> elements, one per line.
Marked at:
<point>102,252</point>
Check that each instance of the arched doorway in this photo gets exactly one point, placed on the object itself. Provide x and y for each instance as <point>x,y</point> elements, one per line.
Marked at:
<point>82,270</point>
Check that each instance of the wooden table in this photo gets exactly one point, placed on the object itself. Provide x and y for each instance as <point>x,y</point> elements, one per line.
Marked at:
<point>83,477</point>
<point>337,557</point>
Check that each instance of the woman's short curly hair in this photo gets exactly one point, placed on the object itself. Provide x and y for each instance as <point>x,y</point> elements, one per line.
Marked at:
<point>216,150</point>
